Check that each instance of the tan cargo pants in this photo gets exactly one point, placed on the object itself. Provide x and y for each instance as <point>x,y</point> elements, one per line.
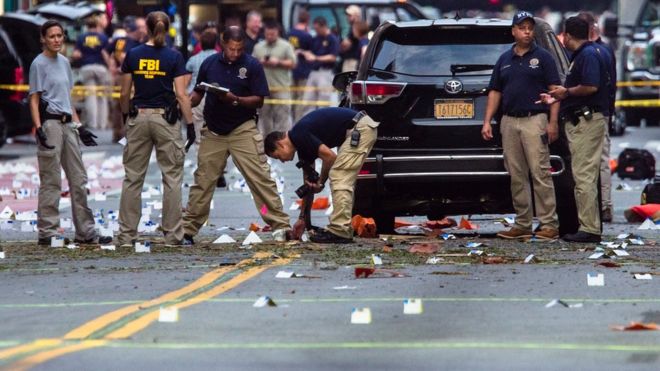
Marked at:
<point>66,155</point>
<point>246,146</point>
<point>275,117</point>
<point>144,132</point>
<point>605,173</point>
<point>525,154</point>
<point>343,175</point>
<point>585,142</point>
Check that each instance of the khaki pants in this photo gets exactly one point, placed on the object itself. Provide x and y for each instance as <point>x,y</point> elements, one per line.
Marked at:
<point>96,100</point>
<point>143,133</point>
<point>343,175</point>
<point>585,141</point>
<point>198,120</point>
<point>275,117</point>
<point>246,146</point>
<point>66,155</point>
<point>298,93</point>
<point>525,154</point>
<point>319,84</point>
<point>605,173</point>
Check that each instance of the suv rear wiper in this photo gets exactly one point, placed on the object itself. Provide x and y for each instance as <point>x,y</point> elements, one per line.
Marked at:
<point>461,68</point>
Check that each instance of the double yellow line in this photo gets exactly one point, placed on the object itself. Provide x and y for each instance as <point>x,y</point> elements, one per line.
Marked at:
<point>124,322</point>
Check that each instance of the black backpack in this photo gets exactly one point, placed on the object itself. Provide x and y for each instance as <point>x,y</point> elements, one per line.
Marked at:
<point>636,164</point>
<point>651,193</point>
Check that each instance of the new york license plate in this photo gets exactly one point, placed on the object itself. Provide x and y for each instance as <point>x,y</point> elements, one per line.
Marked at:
<point>454,109</point>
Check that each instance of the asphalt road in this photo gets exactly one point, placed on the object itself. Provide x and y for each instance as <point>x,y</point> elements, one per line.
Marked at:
<point>93,309</point>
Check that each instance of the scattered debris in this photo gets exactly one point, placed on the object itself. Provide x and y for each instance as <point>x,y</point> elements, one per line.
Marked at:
<point>364,227</point>
<point>2,255</point>
<point>412,229</point>
<point>466,224</point>
<point>413,306</point>
<point>440,224</point>
<point>143,248</point>
<point>648,225</point>
<point>494,260</point>
<point>434,260</point>
<point>168,314</point>
<point>264,301</point>
<point>555,302</point>
<point>609,264</point>
<point>624,187</point>
<point>636,326</point>
<point>530,259</point>
<point>108,247</point>
<point>424,248</point>
<point>361,316</point>
<point>251,238</point>
<point>473,245</point>
<point>365,272</point>
<point>225,238</point>
<point>447,236</point>
<point>640,276</point>
<point>376,259</point>
<point>475,253</point>
<point>595,279</point>
<point>344,288</point>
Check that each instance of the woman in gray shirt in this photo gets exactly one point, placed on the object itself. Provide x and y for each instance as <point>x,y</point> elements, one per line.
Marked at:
<point>59,133</point>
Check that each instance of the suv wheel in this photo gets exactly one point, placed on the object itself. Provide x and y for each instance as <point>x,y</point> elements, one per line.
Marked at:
<point>384,223</point>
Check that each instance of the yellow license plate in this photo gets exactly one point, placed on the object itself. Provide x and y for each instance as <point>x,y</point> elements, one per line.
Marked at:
<point>454,109</point>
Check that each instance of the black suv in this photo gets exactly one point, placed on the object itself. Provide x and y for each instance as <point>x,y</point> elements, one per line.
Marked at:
<point>426,82</point>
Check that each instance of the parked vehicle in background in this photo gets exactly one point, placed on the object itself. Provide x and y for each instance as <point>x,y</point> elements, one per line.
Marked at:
<point>426,82</point>
<point>638,34</point>
<point>374,12</point>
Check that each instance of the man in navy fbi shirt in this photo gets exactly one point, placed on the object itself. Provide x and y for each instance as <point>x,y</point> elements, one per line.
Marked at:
<point>313,137</point>
<point>520,75</point>
<point>584,108</point>
<point>322,56</point>
<point>231,129</point>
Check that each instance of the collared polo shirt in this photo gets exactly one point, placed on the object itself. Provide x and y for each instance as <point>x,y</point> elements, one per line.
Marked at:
<point>243,78</point>
<point>91,45</point>
<point>322,126</point>
<point>324,45</point>
<point>586,70</point>
<point>521,79</point>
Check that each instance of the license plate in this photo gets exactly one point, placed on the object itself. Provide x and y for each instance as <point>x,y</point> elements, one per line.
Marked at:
<point>454,109</point>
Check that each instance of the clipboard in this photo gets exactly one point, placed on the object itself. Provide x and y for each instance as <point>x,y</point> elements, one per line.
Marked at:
<point>215,89</point>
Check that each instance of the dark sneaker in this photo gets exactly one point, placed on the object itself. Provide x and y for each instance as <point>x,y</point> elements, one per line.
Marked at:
<point>187,240</point>
<point>549,234</point>
<point>222,183</point>
<point>102,240</point>
<point>582,237</point>
<point>324,236</point>
<point>45,241</point>
<point>515,233</point>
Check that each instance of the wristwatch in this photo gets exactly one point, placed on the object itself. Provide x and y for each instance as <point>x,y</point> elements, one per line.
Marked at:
<point>235,102</point>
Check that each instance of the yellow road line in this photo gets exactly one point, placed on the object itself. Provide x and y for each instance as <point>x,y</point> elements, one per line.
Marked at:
<point>41,357</point>
<point>43,350</point>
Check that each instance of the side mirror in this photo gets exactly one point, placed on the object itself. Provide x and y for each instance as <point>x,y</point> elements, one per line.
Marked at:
<point>611,27</point>
<point>342,80</point>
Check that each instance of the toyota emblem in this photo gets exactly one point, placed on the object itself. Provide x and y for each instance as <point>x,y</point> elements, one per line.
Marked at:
<point>453,86</point>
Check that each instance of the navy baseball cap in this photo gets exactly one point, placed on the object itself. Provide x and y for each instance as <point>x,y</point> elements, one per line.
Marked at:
<point>521,16</point>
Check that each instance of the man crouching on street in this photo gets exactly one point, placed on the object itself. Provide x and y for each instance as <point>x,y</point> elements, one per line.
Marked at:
<point>313,137</point>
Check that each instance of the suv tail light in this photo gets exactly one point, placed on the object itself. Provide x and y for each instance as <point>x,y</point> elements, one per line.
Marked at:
<point>365,92</point>
<point>18,80</point>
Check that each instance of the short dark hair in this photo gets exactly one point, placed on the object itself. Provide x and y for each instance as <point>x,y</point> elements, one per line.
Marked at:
<point>320,21</point>
<point>303,16</point>
<point>233,33</point>
<point>271,25</point>
<point>208,39</point>
<point>48,25</point>
<point>587,16</point>
<point>270,143</point>
<point>577,27</point>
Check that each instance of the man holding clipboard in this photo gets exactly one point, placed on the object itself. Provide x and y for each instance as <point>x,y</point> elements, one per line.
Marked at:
<point>237,85</point>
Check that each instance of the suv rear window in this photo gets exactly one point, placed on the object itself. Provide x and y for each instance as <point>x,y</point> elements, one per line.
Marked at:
<point>431,51</point>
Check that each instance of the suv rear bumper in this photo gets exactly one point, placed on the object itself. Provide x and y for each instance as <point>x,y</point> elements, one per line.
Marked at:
<point>436,162</point>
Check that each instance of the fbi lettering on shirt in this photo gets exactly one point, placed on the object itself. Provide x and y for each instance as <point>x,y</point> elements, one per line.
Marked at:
<point>92,41</point>
<point>149,68</point>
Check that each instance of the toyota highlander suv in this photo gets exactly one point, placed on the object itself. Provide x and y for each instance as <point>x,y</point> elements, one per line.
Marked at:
<point>426,82</point>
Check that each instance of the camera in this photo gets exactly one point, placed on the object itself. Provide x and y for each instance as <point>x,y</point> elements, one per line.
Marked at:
<point>312,177</point>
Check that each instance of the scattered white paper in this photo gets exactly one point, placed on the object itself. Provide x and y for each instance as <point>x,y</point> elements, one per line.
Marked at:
<point>294,206</point>
<point>623,236</point>
<point>285,274</point>
<point>596,255</point>
<point>412,306</point>
<point>376,259</point>
<point>56,241</point>
<point>6,213</point>
<point>475,252</point>
<point>142,248</point>
<point>595,279</point>
<point>263,302</point>
<point>643,276</point>
<point>448,236</point>
<point>648,225</point>
<point>225,238</point>
<point>2,255</point>
<point>434,260</point>
<point>100,196</point>
<point>72,246</point>
<point>620,252</point>
<point>168,314</point>
<point>108,247</point>
<point>361,316</point>
<point>530,259</point>
<point>344,287</point>
<point>251,238</point>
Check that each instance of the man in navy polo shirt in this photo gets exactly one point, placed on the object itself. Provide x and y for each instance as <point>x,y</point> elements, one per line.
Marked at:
<point>520,75</point>
<point>323,55</point>
<point>231,129</point>
<point>313,137</point>
<point>584,108</point>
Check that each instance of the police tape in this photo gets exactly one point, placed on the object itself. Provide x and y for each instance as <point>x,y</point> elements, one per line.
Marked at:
<point>642,103</point>
<point>637,83</point>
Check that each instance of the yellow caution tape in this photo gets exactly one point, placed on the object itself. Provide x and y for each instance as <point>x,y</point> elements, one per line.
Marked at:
<point>638,83</point>
<point>638,103</point>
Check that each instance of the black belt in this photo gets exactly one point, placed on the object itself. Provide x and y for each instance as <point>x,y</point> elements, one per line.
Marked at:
<point>573,114</point>
<point>524,113</point>
<point>61,117</point>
